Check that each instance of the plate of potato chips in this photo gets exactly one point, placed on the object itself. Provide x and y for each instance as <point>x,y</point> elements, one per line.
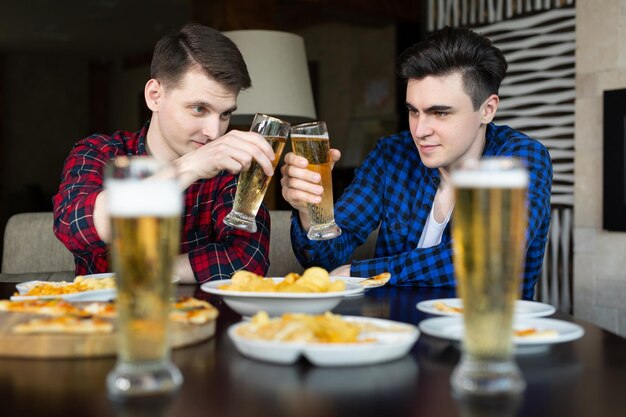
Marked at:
<point>324,340</point>
<point>313,292</point>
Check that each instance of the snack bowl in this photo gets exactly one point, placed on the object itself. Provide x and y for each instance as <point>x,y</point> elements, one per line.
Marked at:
<point>383,346</point>
<point>248,303</point>
<point>267,351</point>
<point>386,348</point>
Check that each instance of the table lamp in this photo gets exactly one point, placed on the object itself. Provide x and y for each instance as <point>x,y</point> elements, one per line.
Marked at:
<point>281,86</point>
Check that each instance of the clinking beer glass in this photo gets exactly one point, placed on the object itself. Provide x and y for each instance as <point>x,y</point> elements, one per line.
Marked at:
<point>311,141</point>
<point>489,242</point>
<point>252,183</point>
<point>145,206</point>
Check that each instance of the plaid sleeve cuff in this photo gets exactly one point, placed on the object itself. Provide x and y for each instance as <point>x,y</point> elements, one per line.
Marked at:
<point>368,268</point>
<point>82,227</point>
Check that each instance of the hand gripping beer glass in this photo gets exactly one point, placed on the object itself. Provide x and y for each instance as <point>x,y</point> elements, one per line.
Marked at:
<point>252,183</point>
<point>145,206</point>
<point>311,141</point>
<point>488,231</point>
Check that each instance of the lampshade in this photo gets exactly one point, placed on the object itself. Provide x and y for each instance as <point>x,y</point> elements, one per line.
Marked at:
<point>281,86</point>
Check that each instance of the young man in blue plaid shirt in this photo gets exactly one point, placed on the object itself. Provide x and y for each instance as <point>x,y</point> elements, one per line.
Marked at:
<point>403,186</point>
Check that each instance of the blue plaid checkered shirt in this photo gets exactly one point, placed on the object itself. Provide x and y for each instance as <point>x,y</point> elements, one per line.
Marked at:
<point>395,190</point>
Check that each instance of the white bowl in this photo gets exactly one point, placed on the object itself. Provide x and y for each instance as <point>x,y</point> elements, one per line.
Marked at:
<point>248,303</point>
<point>386,346</point>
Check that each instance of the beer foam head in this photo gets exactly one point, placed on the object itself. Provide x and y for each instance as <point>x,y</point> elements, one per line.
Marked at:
<point>315,129</point>
<point>491,173</point>
<point>300,136</point>
<point>152,197</point>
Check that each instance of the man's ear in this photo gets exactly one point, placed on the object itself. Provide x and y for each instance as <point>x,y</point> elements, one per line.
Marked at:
<point>489,108</point>
<point>153,93</point>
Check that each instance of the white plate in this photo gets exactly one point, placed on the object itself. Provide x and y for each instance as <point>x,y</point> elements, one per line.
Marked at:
<point>94,295</point>
<point>386,346</point>
<point>451,328</point>
<point>248,303</point>
<point>523,308</point>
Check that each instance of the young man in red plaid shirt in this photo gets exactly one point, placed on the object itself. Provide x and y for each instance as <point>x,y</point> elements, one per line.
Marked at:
<point>196,75</point>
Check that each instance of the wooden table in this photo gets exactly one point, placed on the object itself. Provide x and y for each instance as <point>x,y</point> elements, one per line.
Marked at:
<point>586,377</point>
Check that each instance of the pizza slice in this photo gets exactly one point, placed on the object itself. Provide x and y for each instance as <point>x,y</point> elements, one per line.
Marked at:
<point>185,310</point>
<point>534,333</point>
<point>65,324</point>
<point>377,280</point>
<point>190,310</point>
<point>51,307</point>
<point>445,308</point>
<point>100,309</point>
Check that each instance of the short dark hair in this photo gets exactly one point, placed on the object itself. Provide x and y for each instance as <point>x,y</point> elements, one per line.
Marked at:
<point>451,50</point>
<point>204,47</point>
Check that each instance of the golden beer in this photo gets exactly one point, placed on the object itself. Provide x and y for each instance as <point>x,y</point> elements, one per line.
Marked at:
<point>145,207</point>
<point>316,151</point>
<point>488,232</point>
<point>143,250</point>
<point>310,140</point>
<point>252,184</point>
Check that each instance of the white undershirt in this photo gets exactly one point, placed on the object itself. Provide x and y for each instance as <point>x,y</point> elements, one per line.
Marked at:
<point>433,231</point>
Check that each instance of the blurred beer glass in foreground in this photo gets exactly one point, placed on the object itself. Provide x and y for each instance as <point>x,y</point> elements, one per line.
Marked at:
<point>489,242</point>
<point>311,141</point>
<point>145,206</point>
<point>252,183</point>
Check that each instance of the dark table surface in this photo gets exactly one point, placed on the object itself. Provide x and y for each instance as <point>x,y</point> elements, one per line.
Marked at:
<point>586,377</point>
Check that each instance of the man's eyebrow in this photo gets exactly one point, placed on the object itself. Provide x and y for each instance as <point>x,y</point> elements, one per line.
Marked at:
<point>438,108</point>
<point>210,107</point>
<point>200,103</point>
<point>432,109</point>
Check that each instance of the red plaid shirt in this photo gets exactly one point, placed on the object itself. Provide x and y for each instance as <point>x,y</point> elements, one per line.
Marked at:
<point>215,250</point>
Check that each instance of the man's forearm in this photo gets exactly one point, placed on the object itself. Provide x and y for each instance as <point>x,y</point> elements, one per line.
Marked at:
<point>305,220</point>
<point>182,269</point>
<point>101,218</point>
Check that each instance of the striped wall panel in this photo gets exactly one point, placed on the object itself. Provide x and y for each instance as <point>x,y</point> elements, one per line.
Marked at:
<point>538,93</point>
<point>478,12</point>
<point>537,98</point>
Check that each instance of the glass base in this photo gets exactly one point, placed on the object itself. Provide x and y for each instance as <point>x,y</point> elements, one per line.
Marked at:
<point>143,379</point>
<point>480,378</point>
<point>241,221</point>
<point>489,406</point>
<point>324,231</point>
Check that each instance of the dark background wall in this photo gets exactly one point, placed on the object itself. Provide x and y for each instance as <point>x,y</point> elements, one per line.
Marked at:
<point>68,70</point>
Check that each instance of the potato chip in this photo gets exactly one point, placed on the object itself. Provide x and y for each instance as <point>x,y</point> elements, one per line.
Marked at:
<point>283,287</point>
<point>291,277</point>
<point>249,281</point>
<point>295,327</point>
<point>314,279</point>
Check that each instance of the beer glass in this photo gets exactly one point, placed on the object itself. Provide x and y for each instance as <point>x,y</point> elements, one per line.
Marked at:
<point>488,231</point>
<point>145,207</point>
<point>252,183</point>
<point>311,141</point>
